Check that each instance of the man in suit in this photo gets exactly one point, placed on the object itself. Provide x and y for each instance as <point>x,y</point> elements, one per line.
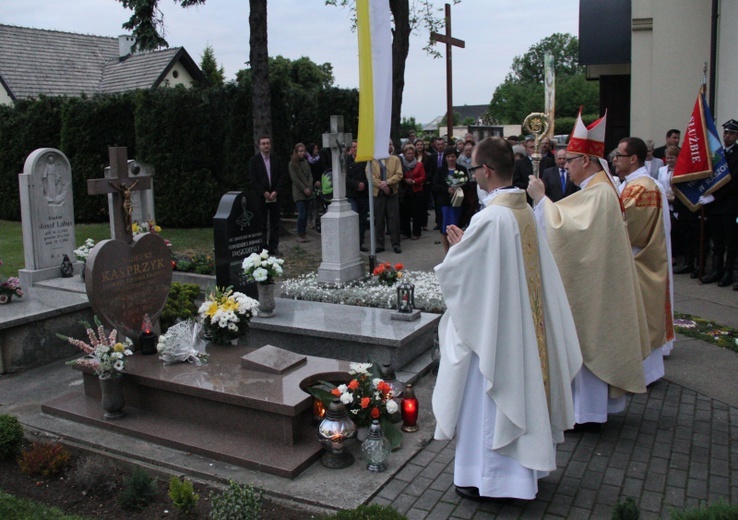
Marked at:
<point>439,165</point>
<point>524,167</point>
<point>556,180</point>
<point>722,209</point>
<point>672,139</point>
<point>267,175</point>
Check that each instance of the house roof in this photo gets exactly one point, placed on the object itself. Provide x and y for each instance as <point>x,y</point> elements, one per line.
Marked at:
<point>55,63</point>
<point>464,111</point>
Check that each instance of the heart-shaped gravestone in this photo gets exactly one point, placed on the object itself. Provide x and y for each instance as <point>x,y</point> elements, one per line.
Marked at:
<point>124,282</point>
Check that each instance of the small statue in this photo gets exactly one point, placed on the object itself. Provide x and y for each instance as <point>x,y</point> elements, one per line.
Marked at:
<point>125,192</point>
<point>67,269</point>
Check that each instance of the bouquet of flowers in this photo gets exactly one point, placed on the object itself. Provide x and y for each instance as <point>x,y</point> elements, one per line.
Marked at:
<point>388,274</point>
<point>83,251</point>
<point>366,397</point>
<point>225,314</point>
<point>262,268</point>
<point>456,179</point>
<point>178,344</point>
<point>147,227</point>
<point>9,288</point>
<point>105,354</point>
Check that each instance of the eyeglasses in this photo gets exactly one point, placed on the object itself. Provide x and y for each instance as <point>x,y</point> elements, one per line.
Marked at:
<point>622,155</point>
<point>471,170</point>
<point>568,160</point>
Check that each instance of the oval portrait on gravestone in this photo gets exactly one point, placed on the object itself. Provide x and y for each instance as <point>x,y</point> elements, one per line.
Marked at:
<point>125,282</point>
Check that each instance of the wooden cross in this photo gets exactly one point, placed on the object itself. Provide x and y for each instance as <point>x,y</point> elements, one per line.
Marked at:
<point>120,186</point>
<point>450,42</point>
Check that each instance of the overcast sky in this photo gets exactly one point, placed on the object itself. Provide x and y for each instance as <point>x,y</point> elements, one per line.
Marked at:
<point>495,31</point>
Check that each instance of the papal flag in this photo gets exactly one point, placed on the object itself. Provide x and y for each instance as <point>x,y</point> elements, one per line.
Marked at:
<point>701,167</point>
<point>375,79</point>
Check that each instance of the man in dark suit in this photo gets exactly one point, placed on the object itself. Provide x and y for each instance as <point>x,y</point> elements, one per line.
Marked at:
<point>439,165</point>
<point>267,175</point>
<point>524,167</point>
<point>556,180</point>
<point>672,139</point>
<point>722,209</point>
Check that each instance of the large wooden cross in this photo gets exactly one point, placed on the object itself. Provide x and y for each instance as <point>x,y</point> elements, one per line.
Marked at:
<point>120,185</point>
<point>450,42</point>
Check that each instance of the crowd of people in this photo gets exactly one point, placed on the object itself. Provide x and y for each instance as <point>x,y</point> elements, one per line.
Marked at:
<point>572,297</point>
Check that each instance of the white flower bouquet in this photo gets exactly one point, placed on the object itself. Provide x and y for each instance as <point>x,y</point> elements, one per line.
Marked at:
<point>178,345</point>
<point>105,354</point>
<point>83,251</point>
<point>262,268</point>
<point>225,315</point>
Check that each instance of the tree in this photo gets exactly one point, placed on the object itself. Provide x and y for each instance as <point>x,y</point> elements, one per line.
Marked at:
<point>522,92</point>
<point>406,21</point>
<point>147,24</point>
<point>209,67</point>
<point>409,123</point>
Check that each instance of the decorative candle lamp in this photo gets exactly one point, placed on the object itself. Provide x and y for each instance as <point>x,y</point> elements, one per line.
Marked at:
<point>388,374</point>
<point>409,409</point>
<point>405,297</point>
<point>375,449</point>
<point>148,339</point>
<point>335,433</point>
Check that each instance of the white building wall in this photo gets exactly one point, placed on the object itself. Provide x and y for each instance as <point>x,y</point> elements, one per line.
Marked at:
<point>726,97</point>
<point>182,76</point>
<point>5,97</point>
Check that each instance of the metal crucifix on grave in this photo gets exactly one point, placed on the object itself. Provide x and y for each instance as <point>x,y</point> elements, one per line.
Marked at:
<point>450,42</point>
<point>120,185</point>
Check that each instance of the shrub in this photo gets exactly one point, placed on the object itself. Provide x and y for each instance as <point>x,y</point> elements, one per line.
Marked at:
<point>717,511</point>
<point>237,502</point>
<point>372,512</point>
<point>139,489</point>
<point>93,475</point>
<point>44,460</point>
<point>180,304</point>
<point>11,436</point>
<point>183,494</point>
<point>627,510</point>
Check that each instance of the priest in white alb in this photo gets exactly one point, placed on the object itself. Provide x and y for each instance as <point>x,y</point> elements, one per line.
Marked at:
<point>649,230</point>
<point>509,348</point>
<point>587,235</point>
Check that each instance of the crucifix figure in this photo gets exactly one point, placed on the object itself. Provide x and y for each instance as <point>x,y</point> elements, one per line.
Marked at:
<point>121,187</point>
<point>450,42</point>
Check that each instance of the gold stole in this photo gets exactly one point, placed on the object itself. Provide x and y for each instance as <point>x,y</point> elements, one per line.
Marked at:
<point>529,241</point>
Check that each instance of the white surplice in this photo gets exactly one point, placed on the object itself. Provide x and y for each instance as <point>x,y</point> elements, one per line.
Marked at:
<point>490,380</point>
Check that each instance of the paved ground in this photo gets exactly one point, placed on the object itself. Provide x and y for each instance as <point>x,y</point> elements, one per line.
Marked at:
<point>674,447</point>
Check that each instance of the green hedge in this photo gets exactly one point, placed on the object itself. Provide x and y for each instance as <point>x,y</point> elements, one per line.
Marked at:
<point>198,140</point>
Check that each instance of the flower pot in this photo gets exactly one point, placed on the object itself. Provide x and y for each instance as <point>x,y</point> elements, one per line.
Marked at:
<point>112,395</point>
<point>5,298</point>
<point>266,300</point>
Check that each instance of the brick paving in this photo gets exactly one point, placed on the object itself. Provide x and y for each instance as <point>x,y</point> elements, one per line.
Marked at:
<point>671,448</point>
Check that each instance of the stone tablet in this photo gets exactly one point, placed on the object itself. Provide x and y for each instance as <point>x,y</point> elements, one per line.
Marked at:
<point>47,209</point>
<point>273,360</point>
<point>237,234</point>
<point>125,282</point>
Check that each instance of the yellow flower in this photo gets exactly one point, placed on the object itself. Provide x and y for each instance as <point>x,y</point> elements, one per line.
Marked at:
<point>230,305</point>
<point>136,227</point>
<point>212,309</point>
<point>119,347</point>
<point>157,229</point>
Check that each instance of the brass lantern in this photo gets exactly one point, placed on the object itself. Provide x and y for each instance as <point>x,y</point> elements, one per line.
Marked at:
<point>405,297</point>
<point>336,432</point>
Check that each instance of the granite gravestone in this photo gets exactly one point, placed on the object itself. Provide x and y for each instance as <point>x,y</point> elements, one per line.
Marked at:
<point>142,202</point>
<point>47,214</point>
<point>125,282</point>
<point>237,234</point>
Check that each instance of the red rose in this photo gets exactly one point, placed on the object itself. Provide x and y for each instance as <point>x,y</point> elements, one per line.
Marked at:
<point>383,387</point>
<point>375,413</point>
<point>354,384</point>
<point>365,402</point>
<point>336,392</point>
<point>399,267</point>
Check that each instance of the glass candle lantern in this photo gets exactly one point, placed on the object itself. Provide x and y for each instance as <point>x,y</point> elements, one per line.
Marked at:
<point>336,432</point>
<point>405,297</point>
<point>376,448</point>
<point>148,339</point>
<point>409,409</point>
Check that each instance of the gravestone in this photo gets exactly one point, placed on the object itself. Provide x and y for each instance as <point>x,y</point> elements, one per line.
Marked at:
<point>341,261</point>
<point>47,214</point>
<point>237,233</point>
<point>142,201</point>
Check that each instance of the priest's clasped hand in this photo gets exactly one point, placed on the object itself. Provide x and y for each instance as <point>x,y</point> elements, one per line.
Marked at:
<point>454,234</point>
<point>536,189</point>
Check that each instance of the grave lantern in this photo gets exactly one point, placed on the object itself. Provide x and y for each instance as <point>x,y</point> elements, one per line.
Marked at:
<point>148,339</point>
<point>389,377</point>
<point>409,409</point>
<point>376,448</point>
<point>335,433</point>
<point>405,297</point>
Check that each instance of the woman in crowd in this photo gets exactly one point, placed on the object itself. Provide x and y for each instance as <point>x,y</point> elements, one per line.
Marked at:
<point>411,204</point>
<point>422,155</point>
<point>302,188</point>
<point>446,184</point>
<point>317,167</point>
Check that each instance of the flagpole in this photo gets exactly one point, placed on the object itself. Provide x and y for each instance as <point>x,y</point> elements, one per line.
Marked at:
<point>701,268</point>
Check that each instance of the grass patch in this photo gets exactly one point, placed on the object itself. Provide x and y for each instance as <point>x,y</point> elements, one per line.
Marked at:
<point>13,508</point>
<point>706,330</point>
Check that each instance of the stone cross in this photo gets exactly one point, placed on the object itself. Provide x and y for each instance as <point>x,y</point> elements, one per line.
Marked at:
<point>120,185</point>
<point>338,142</point>
<point>450,42</point>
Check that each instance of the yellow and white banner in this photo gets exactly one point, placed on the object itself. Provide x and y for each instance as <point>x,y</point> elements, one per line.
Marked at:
<point>375,79</point>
